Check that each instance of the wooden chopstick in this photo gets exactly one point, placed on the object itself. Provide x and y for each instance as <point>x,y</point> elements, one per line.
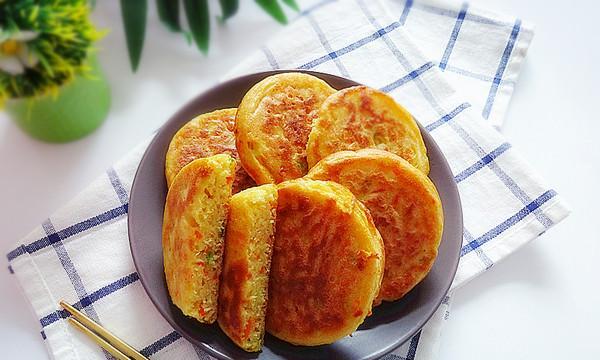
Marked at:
<point>100,335</point>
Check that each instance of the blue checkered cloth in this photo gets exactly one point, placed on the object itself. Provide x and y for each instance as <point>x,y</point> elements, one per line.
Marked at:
<point>431,57</point>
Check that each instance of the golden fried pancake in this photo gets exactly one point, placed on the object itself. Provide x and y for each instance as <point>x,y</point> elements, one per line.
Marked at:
<point>405,207</point>
<point>327,264</point>
<point>273,122</point>
<point>246,265</point>
<point>361,117</point>
<point>206,135</point>
<point>192,238</point>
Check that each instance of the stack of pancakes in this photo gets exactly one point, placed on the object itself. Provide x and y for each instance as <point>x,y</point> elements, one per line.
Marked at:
<point>298,212</point>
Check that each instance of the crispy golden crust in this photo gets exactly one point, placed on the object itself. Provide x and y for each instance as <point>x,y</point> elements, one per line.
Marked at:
<point>360,117</point>
<point>405,207</point>
<point>247,261</point>
<point>273,123</point>
<point>206,135</point>
<point>327,263</point>
<point>192,237</point>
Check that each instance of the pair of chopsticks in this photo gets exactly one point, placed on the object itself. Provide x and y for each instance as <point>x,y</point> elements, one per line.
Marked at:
<point>108,341</point>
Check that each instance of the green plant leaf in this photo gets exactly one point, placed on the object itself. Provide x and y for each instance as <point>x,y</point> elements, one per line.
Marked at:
<point>228,8</point>
<point>134,13</point>
<point>274,9</point>
<point>168,12</point>
<point>292,4</point>
<point>198,18</point>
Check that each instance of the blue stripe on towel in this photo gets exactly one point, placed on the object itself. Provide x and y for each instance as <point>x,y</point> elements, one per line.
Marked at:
<point>327,46</point>
<point>69,231</point>
<point>353,46</point>
<point>410,76</point>
<point>91,298</point>
<point>407,5</point>
<point>412,348</point>
<point>453,14</point>
<point>71,271</point>
<point>453,36</point>
<point>160,344</point>
<point>474,75</point>
<point>482,162</point>
<point>270,58</point>
<point>520,215</point>
<point>117,185</point>
<point>500,71</point>
<point>449,116</point>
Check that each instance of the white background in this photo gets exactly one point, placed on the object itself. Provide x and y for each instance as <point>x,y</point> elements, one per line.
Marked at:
<point>541,303</point>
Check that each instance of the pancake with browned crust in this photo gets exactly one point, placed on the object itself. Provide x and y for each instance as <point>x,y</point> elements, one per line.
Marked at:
<point>206,135</point>
<point>273,122</point>
<point>360,117</point>
<point>192,234</point>
<point>405,207</point>
<point>327,265</point>
<point>246,265</point>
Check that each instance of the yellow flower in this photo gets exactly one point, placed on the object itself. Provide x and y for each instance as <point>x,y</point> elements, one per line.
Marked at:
<point>14,52</point>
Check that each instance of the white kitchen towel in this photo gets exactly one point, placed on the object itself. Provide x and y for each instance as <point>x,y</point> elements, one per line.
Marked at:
<point>81,253</point>
<point>480,53</point>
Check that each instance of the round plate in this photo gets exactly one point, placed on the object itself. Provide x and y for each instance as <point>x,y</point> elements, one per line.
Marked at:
<point>391,323</point>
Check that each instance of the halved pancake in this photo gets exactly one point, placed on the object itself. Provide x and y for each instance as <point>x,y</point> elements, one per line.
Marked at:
<point>360,117</point>
<point>273,122</point>
<point>405,207</point>
<point>327,264</point>
<point>206,135</point>
<point>247,261</point>
<point>192,238</point>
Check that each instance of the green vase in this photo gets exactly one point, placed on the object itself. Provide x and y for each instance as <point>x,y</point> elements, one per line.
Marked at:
<point>79,108</point>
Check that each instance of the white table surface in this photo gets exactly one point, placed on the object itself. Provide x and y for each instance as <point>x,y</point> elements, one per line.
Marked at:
<point>541,303</point>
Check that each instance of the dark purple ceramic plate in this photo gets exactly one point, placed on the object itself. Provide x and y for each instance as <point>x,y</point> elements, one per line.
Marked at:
<point>391,323</point>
